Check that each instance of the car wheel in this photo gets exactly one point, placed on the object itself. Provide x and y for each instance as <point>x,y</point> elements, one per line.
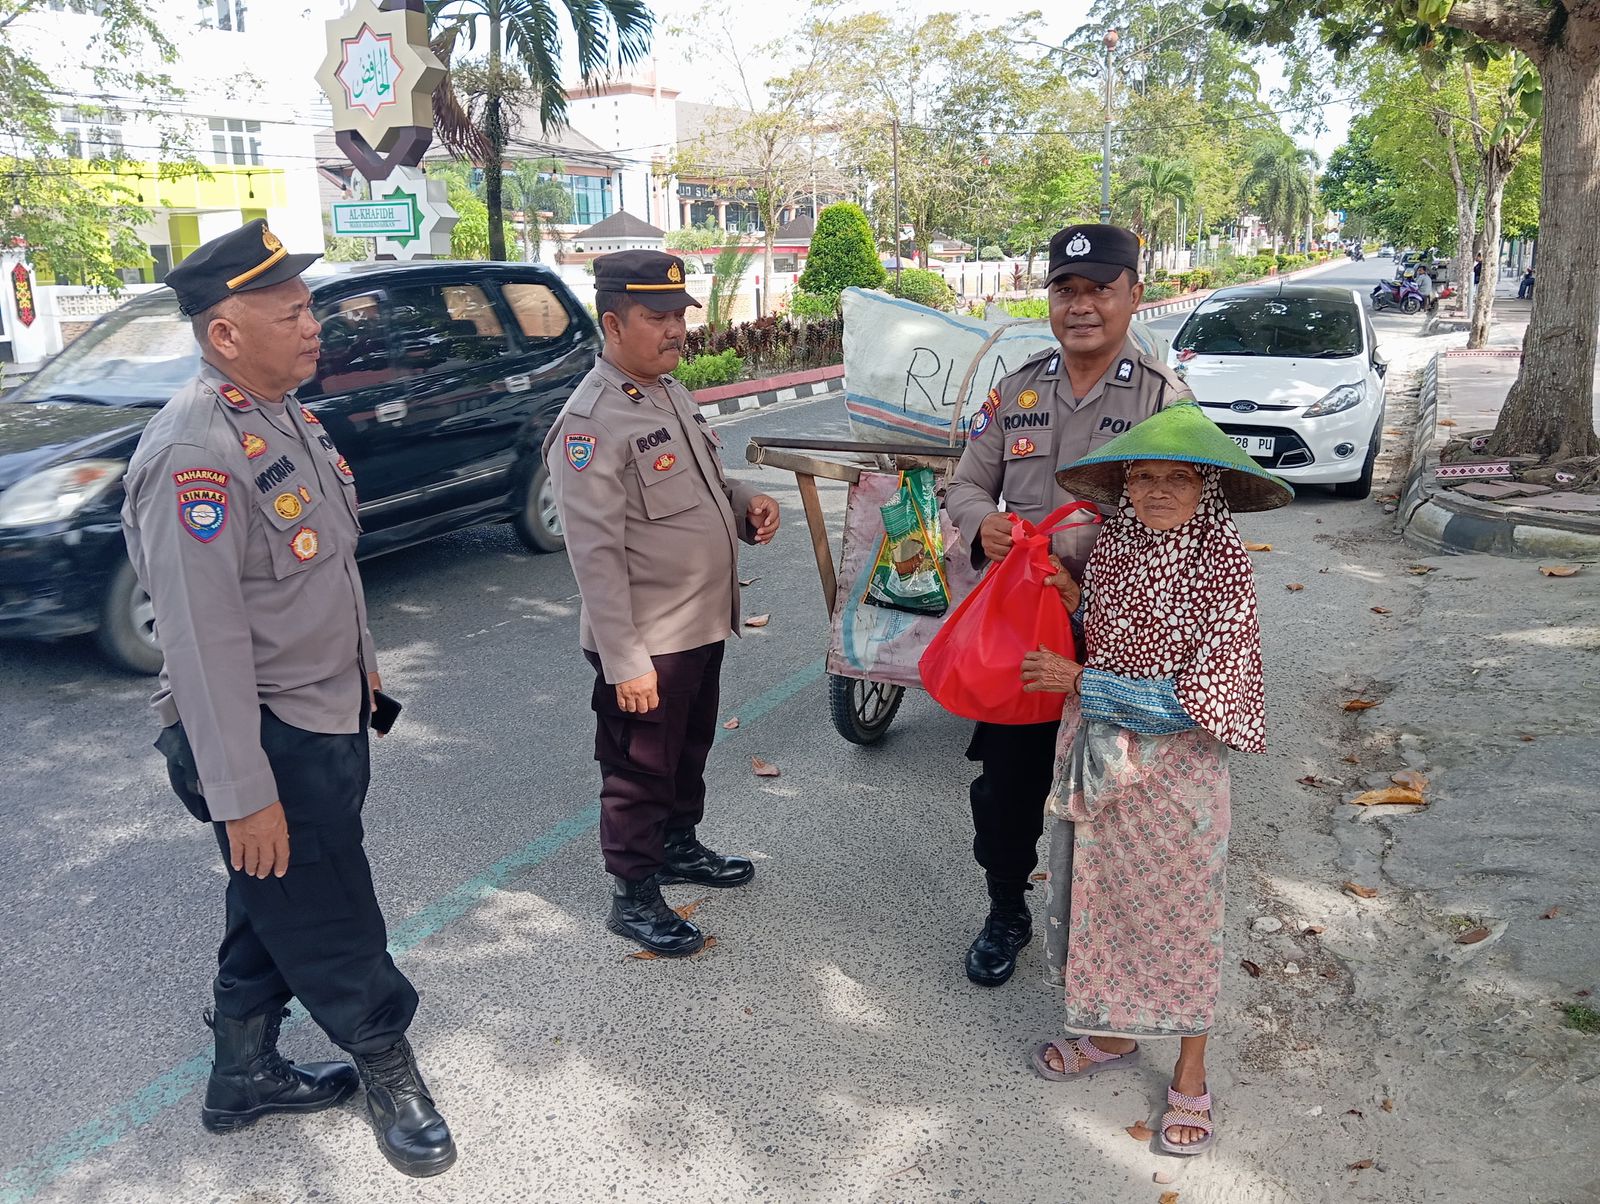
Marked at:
<point>1361,487</point>
<point>1410,305</point>
<point>534,515</point>
<point>127,633</point>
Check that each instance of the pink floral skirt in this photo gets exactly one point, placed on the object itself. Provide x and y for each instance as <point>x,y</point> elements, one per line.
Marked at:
<point>1138,829</point>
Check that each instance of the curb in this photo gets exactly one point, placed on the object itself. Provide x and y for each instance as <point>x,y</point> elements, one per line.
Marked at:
<point>1441,521</point>
<point>753,394</point>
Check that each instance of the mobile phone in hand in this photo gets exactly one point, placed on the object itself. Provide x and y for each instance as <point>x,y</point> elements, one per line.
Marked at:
<point>385,711</point>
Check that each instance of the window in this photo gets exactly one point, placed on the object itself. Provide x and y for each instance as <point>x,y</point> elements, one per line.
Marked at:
<point>539,312</point>
<point>91,133</point>
<point>443,327</point>
<point>355,348</point>
<point>591,196</point>
<point>235,141</point>
<point>1281,326</point>
<point>223,14</point>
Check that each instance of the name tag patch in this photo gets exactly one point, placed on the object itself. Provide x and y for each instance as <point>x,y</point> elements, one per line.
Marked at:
<point>580,451</point>
<point>654,439</point>
<point>1115,425</point>
<point>274,474</point>
<point>1016,422</point>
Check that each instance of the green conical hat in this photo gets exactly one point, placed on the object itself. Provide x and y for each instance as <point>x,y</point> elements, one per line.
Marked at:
<point>1179,432</point>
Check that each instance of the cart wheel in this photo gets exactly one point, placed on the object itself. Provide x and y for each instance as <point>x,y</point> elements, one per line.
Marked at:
<point>862,710</point>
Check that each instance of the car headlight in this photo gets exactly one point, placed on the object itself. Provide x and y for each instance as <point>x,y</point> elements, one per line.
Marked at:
<point>58,493</point>
<point>1345,397</point>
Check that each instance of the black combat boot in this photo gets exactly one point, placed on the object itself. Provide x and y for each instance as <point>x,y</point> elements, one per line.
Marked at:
<point>690,861</point>
<point>250,1078</point>
<point>993,956</point>
<point>411,1133</point>
<point>639,913</point>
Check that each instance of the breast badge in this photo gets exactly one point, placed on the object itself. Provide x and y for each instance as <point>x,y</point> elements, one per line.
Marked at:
<point>254,445</point>
<point>304,544</point>
<point>305,494</point>
<point>1027,399</point>
<point>665,462</point>
<point>287,505</point>
<point>1024,447</point>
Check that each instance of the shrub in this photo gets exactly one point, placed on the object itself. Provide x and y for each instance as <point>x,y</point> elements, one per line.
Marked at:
<point>813,305</point>
<point>1027,307</point>
<point>1157,275</point>
<point>769,346</point>
<point>925,287</point>
<point>1160,291</point>
<point>990,252</point>
<point>703,371</point>
<point>842,253</point>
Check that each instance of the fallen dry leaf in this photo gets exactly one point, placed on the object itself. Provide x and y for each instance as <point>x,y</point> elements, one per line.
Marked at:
<point>749,1011</point>
<point>1357,1113</point>
<point>1472,938</point>
<point>1397,795</point>
<point>1359,704</point>
<point>1351,760</point>
<point>1141,1131</point>
<point>1560,570</point>
<point>748,580</point>
<point>1526,739</point>
<point>1447,422</point>
<point>688,909</point>
<point>1302,1047</point>
<point>1250,968</point>
<point>758,620</point>
<point>1411,779</point>
<point>1258,547</point>
<point>1294,587</point>
<point>732,725</point>
<point>1313,930</point>
<point>1330,972</point>
<point>1381,610</point>
<point>1550,914</point>
<point>1312,780</point>
<point>1359,891</point>
<point>1422,570</point>
<point>764,769</point>
<point>1164,1177</point>
<point>1388,1105</point>
<point>643,955</point>
<point>1168,1197</point>
<point>1364,1165</point>
<point>1583,994</point>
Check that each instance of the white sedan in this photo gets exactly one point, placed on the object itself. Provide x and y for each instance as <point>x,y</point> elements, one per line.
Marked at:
<point>1292,373</point>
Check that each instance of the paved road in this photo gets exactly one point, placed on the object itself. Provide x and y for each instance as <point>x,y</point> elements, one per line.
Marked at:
<point>827,1049</point>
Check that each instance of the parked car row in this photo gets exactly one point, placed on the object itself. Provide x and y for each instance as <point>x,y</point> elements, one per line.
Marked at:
<point>437,381</point>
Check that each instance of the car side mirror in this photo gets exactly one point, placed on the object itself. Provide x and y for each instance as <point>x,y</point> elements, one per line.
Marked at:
<point>1381,367</point>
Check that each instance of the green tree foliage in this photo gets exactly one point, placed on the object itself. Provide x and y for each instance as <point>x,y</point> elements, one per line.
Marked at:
<point>77,218</point>
<point>842,253</point>
<point>469,238</point>
<point>730,268</point>
<point>1279,186</point>
<point>522,61</point>
<point>696,238</point>
<point>1151,197</point>
<point>925,288</point>
<point>530,188</point>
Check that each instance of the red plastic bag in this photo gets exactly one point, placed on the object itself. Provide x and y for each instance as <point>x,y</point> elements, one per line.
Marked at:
<point>973,666</point>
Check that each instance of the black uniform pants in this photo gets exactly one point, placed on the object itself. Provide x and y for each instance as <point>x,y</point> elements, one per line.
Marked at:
<point>316,934</point>
<point>652,766</point>
<point>1008,797</point>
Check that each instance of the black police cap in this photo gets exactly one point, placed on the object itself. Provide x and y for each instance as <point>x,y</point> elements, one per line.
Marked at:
<point>240,261</point>
<point>652,278</point>
<point>1100,253</point>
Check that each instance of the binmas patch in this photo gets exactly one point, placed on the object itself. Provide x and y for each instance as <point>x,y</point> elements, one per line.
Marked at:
<point>304,545</point>
<point>203,512</point>
<point>665,462</point>
<point>580,451</point>
<point>980,423</point>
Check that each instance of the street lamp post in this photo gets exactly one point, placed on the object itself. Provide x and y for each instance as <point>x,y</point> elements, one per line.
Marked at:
<point>1110,43</point>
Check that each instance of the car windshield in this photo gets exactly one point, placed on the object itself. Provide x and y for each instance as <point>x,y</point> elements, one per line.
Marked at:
<point>139,354</point>
<point>1289,327</point>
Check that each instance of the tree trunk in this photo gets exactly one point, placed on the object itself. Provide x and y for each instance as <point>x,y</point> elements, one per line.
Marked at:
<point>494,167</point>
<point>1550,409</point>
<point>1466,202</point>
<point>1497,170</point>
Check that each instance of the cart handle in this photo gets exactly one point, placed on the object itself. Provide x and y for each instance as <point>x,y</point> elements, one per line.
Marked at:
<point>856,445</point>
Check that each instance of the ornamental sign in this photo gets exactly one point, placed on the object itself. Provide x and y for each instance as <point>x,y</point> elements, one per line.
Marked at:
<point>431,220</point>
<point>22,291</point>
<point>379,72</point>
<point>377,219</point>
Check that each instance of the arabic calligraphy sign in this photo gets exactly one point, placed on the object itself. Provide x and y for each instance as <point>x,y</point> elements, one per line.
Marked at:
<point>369,70</point>
<point>22,291</point>
<point>379,72</point>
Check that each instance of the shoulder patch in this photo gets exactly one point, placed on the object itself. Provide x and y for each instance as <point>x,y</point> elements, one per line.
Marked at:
<point>580,451</point>
<point>1125,370</point>
<point>980,422</point>
<point>201,476</point>
<point>203,511</point>
<point>234,396</point>
<point>632,390</point>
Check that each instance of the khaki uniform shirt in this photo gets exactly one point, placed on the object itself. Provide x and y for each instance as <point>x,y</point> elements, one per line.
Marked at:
<point>241,524</point>
<point>652,523</point>
<point>1031,425</point>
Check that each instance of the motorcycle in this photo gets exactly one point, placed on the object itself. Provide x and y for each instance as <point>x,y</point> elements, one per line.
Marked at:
<point>1355,253</point>
<point>1397,294</point>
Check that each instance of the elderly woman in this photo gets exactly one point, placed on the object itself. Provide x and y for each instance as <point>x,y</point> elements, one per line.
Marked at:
<point>1138,817</point>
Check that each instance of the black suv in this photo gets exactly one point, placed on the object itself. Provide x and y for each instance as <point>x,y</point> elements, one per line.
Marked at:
<point>437,381</point>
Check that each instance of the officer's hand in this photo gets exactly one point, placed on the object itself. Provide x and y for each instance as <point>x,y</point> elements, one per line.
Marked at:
<point>763,516</point>
<point>995,536</point>
<point>639,695</point>
<point>374,684</point>
<point>1062,580</point>
<point>258,844</point>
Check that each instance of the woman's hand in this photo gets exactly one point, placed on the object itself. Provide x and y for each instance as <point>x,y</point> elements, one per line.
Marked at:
<point>1046,672</point>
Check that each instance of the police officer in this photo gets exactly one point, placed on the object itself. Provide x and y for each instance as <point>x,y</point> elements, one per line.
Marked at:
<point>652,526</point>
<point>241,524</point>
<point>1055,409</point>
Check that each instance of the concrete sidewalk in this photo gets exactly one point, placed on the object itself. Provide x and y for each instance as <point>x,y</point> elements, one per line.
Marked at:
<point>1462,394</point>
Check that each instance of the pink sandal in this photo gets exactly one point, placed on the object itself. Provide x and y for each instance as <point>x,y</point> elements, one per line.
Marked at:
<point>1084,1055</point>
<point>1188,1112</point>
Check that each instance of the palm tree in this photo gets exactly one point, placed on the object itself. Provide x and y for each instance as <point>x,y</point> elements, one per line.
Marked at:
<point>609,34</point>
<point>532,189</point>
<point>1280,187</point>
<point>1153,192</point>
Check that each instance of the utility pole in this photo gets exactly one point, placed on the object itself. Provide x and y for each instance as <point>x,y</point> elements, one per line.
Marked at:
<point>1110,42</point>
<point>897,206</point>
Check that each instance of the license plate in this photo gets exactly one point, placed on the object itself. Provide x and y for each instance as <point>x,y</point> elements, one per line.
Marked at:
<point>1257,445</point>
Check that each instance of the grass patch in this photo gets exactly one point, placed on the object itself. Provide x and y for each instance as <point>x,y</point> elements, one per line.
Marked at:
<point>1581,1017</point>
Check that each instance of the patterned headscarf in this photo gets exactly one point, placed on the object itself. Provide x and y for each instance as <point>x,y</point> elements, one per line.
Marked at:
<point>1181,604</point>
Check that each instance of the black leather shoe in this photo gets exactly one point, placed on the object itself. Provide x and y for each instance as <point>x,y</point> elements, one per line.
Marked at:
<point>639,913</point>
<point>690,861</point>
<point>411,1133</point>
<point>993,957</point>
<point>251,1079</point>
